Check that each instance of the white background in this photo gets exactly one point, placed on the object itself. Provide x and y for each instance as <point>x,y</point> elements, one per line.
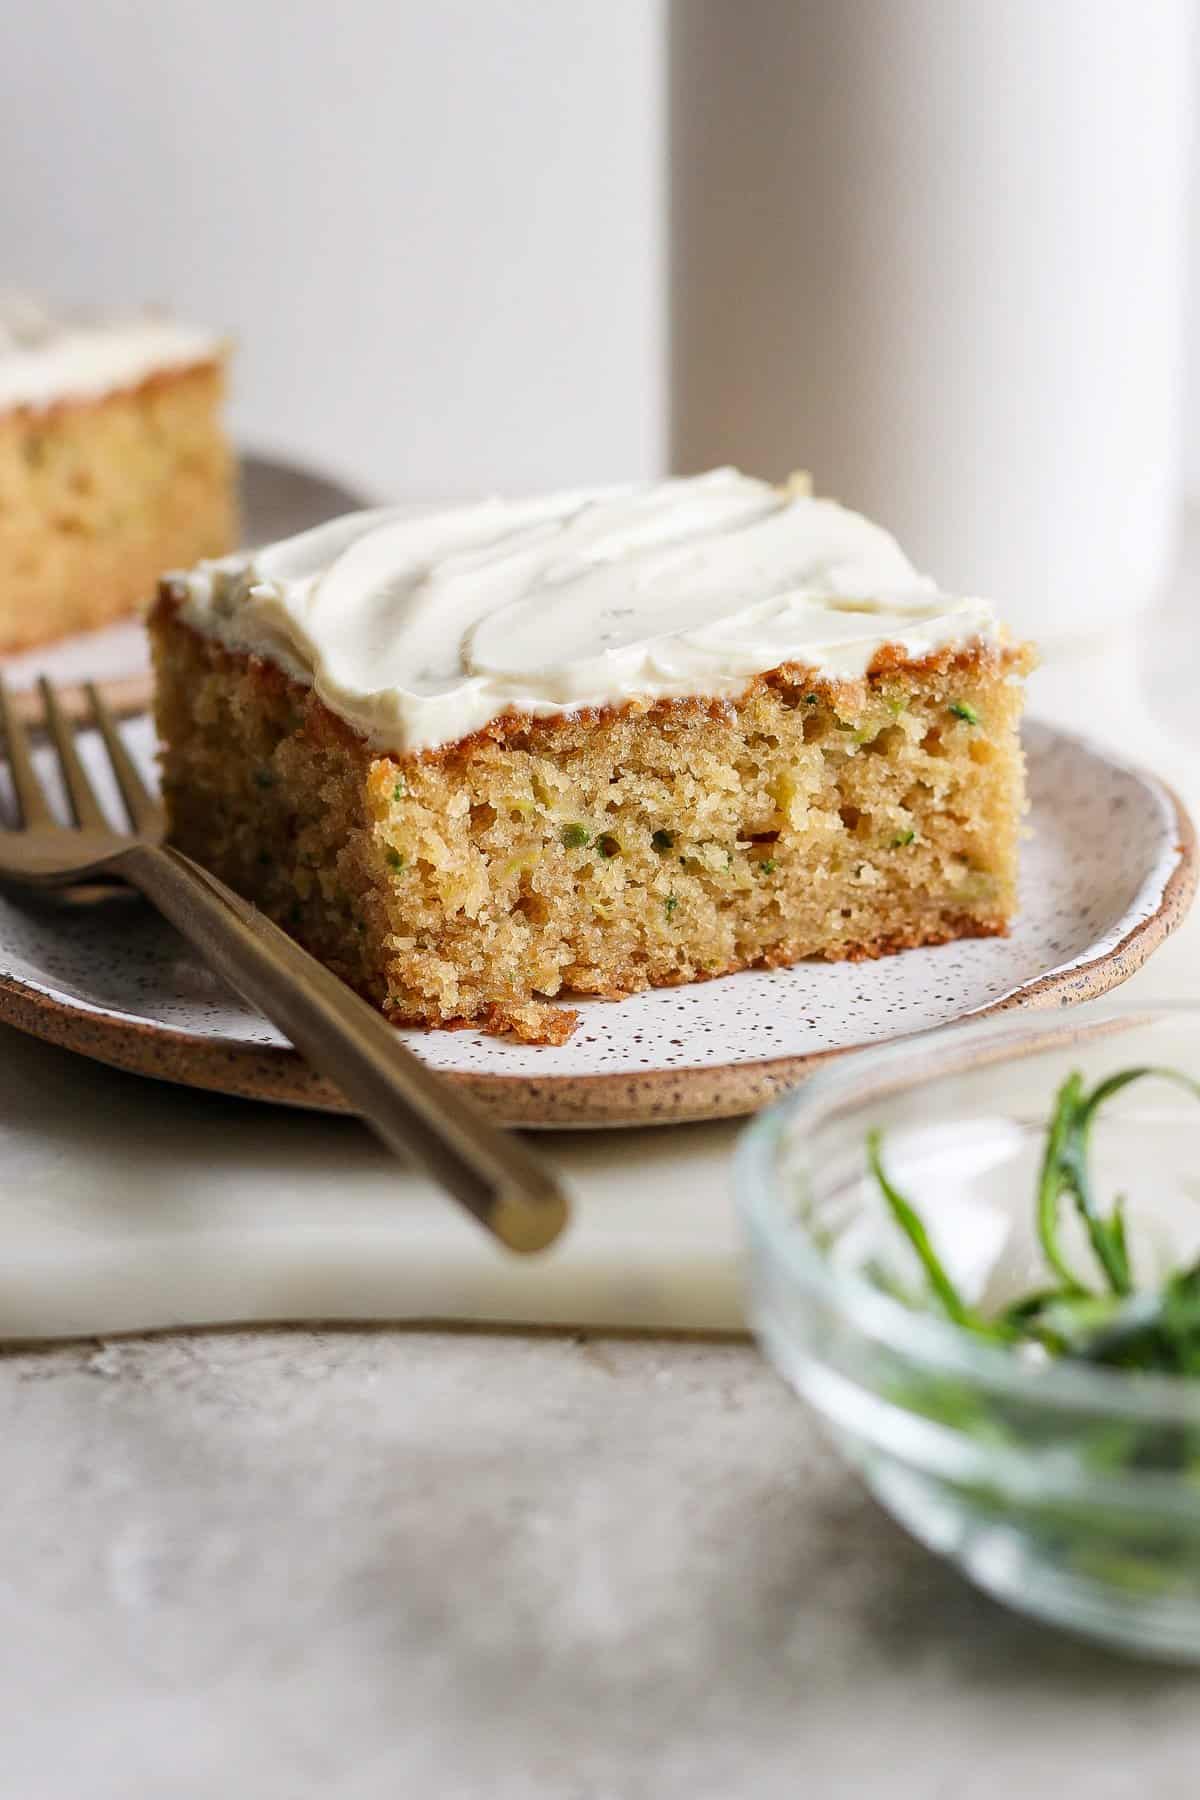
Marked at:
<point>438,231</point>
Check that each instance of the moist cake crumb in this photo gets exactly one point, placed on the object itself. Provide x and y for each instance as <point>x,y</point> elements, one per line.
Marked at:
<point>114,466</point>
<point>608,850</point>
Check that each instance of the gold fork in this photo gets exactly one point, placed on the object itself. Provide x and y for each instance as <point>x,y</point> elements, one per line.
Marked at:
<point>411,1108</point>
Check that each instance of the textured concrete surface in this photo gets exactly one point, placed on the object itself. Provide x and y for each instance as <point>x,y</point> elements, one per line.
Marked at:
<point>371,1564</point>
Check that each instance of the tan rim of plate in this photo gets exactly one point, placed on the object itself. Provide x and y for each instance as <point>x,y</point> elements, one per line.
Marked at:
<point>656,1097</point>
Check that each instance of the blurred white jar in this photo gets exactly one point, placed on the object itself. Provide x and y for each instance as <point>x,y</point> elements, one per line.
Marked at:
<point>934,251</point>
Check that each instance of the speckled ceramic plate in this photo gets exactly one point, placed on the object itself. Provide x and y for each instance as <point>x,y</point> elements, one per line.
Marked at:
<point>1107,873</point>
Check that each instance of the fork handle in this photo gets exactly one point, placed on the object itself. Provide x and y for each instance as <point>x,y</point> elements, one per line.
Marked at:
<point>413,1110</point>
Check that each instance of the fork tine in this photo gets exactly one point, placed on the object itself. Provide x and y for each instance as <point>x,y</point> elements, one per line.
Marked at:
<point>144,811</point>
<point>31,797</point>
<point>84,804</point>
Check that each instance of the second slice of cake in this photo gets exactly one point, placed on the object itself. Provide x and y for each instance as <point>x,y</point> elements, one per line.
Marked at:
<point>114,465</point>
<point>478,757</point>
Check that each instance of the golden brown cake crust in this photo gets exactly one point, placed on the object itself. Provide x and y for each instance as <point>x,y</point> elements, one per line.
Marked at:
<point>540,733</point>
<point>98,496</point>
<point>46,413</point>
<point>606,851</point>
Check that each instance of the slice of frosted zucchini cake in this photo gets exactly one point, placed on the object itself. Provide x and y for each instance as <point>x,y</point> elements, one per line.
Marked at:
<point>114,465</point>
<point>477,757</point>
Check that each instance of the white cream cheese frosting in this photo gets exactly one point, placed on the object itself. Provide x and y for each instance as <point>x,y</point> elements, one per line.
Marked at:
<point>419,626</point>
<point>45,359</point>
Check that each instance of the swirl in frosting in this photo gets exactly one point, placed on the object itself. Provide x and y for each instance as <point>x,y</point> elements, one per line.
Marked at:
<point>421,625</point>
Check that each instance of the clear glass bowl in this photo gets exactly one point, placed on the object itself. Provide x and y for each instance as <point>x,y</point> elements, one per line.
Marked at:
<point>1071,1492</point>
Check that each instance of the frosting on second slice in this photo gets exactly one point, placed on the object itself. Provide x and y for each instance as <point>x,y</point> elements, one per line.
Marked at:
<point>45,358</point>
<point>420,626</point>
